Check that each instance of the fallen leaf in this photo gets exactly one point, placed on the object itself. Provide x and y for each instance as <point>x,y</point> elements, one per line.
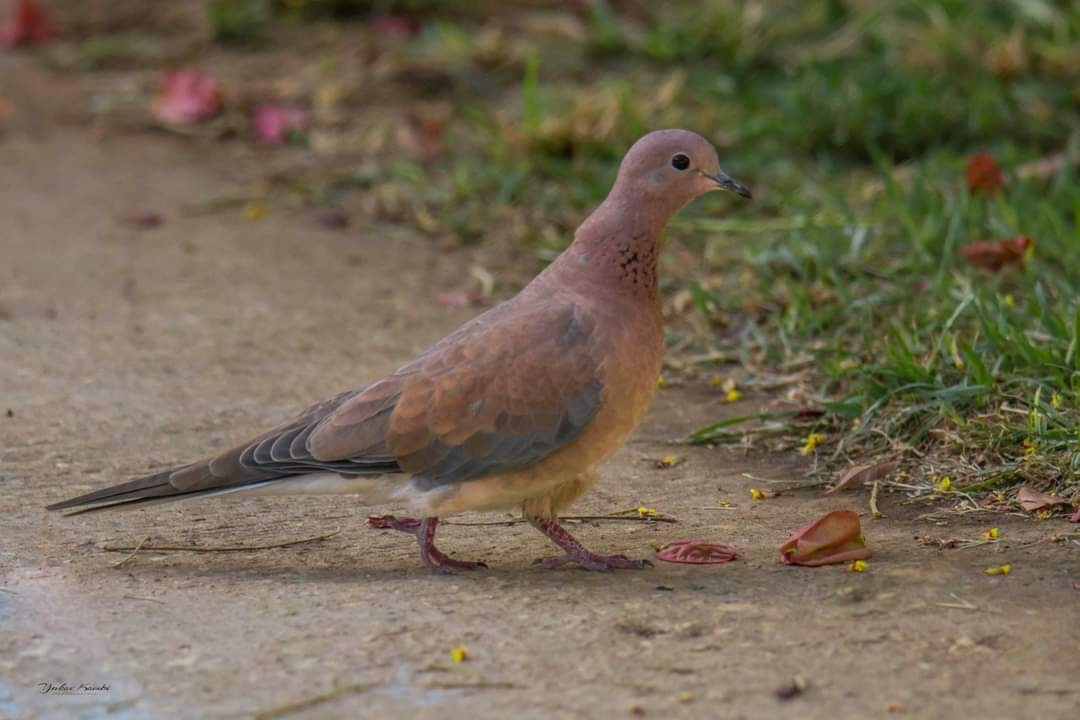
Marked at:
<point>28,25</point>
<point>1008,57</point>
<point>1032,500</point>
<point>943,484</point>
<point>696,552</point>
<point>422,133</point>
<point>643,511</point>
<point>992,534</point>
<point>459,654</point>
<point>984,176</point>
<point>997,255</point>
<point>860,474</point>
<point>187,97</point>
<point>756,494</point>
<point>999,569</point>
<point>858,566</point>
<point>276,124</point>
<point>835,537</point>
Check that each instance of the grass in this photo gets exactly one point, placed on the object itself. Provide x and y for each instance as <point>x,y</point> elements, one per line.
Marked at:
<point>853,122</point>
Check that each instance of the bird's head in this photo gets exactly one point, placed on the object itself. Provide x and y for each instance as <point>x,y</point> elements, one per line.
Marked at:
<point>677,165</point>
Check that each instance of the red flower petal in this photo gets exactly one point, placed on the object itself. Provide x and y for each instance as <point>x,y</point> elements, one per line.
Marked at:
<point>835,537</point>
<point>696,552</point>
<point>983,174</point>
<point>29,25</point>
<point>186,97</point>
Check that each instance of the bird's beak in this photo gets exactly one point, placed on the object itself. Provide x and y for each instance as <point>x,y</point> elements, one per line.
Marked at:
<point>725,182</point>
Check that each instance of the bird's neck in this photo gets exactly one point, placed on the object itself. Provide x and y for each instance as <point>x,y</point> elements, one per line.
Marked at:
<point>618,247</point>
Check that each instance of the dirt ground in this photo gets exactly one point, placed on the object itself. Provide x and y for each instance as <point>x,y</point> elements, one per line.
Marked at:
<point>124,350</point>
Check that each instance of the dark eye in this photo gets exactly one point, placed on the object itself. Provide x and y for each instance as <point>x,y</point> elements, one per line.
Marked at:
<point>680,161</point>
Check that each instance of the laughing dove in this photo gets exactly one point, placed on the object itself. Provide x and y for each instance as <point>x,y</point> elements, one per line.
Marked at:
<point>515,409</point>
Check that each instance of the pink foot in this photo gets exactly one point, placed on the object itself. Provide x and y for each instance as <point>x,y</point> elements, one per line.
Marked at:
<point>575,552</point>
<point>424,532</point>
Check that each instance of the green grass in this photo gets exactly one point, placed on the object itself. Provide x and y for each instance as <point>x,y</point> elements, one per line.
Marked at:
<point>852,121</point>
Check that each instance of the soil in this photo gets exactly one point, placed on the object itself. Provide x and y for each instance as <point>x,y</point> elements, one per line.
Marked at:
<point>123,350</point>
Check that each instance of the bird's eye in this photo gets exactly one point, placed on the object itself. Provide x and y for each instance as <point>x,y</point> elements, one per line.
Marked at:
<point>680,161</point>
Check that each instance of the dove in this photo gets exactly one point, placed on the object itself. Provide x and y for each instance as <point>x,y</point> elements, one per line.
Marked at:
<point>516,409</point>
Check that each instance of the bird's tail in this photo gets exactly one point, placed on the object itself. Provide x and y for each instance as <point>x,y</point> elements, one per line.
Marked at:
<point>157,489</point>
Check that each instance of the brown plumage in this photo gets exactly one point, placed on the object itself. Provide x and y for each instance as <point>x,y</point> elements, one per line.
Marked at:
<point>516,408</point>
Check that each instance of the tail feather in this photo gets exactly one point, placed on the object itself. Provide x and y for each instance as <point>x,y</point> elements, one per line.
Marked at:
<point>152,489</point>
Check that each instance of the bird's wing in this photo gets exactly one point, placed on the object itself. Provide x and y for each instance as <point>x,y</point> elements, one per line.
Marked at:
<point>503,392</point>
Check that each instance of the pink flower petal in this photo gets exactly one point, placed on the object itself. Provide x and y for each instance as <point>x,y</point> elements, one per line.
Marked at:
<point>274,123</point>
<point>835,537</point>
<point>696,552</point>
<point>28,25</point>
<point>187,97</point>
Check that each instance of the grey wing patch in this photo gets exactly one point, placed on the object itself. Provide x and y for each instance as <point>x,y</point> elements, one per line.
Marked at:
<point>488,453</point>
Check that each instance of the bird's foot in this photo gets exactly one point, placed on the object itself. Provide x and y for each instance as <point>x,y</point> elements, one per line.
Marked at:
<point>575,552</point>
<point>424,532</point>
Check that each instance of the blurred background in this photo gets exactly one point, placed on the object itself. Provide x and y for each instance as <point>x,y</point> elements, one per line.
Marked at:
<point>903,287</point>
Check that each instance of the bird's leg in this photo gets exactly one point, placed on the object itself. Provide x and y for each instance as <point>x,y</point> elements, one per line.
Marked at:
<point>575,552</point>
<point>424,532</point>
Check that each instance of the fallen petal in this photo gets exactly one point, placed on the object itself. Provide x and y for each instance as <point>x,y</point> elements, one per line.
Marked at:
<point>274,124</point>
<point>28,25</point>
<point>696,552</point>
<point>835,537</point>
<point>1032,500</point>
<point>186,97</point>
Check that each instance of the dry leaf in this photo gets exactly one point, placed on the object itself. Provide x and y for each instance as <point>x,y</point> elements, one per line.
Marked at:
<point>994,256</point>
<point>860,474</point>
<point>984,175</point>
<point>696,552</point>
<point>1032,500</point>
<point>835,537</point>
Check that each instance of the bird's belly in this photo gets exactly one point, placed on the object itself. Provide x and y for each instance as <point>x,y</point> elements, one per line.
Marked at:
<point>627,395</point>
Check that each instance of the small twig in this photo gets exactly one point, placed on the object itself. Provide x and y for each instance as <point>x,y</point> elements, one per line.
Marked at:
<point>959,604</point>
<point>4,589</point>
<point>147,599</point>
<point>717,507</point>
<point>134,551</point>
<point>204,548</point>
<point>1056,537</point>
<point>874,512</point>
<point>290,708</point>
